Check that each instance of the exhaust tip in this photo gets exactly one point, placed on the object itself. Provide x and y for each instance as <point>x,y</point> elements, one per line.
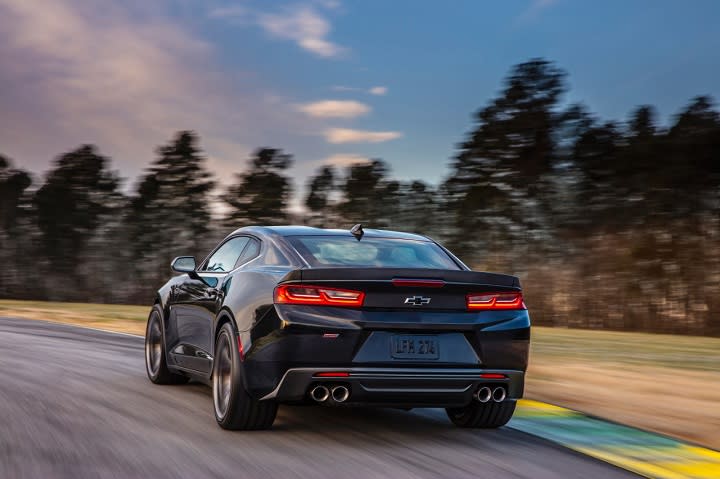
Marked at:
<point>499,394</point>
<point>484,394</point>
<point>340,393</point>
<point>320,393</point>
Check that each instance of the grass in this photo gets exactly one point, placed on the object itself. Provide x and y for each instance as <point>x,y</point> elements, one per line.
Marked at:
<point>123,318</point>
<point>632,349</point>
<point>668,384</point>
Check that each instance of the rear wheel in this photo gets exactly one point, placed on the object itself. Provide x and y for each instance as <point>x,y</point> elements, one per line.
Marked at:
<point>234,408</point>
<point>482,415</point>
<point>155,363</point>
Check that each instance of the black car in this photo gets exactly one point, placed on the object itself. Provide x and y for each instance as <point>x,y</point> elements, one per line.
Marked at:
<point>292,315</point>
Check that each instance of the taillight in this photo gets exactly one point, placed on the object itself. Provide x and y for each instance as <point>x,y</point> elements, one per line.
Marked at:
<point>317,295</point>
<point>495,301</point>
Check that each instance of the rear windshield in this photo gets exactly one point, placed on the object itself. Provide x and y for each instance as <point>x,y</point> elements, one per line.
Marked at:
<point>331,251</point>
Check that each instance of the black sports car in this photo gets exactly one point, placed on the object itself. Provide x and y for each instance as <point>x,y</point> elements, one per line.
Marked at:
<point>297,315</point>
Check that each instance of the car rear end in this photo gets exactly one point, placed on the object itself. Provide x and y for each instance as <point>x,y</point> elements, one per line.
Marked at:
<point>392,336</point>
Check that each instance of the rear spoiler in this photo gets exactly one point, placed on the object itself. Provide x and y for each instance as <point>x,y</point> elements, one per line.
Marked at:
<point>388,274</point>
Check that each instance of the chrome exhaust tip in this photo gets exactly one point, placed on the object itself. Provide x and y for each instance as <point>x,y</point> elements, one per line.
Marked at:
<point>484,394</point>
<point>499,394</point>
<point>340,393</point>
<point>320,393</point>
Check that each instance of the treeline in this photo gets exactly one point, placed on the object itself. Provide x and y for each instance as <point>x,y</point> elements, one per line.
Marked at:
<point>609,224</point>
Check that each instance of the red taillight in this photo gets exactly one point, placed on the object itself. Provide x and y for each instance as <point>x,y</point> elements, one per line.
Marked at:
<point>492,376</point>
<point>494,301</point>
<point>419,283</point>
<point>317,295</point>
<point>333,374</point>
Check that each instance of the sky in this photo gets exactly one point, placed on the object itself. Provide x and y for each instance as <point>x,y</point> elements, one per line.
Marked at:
<point>329,81</point>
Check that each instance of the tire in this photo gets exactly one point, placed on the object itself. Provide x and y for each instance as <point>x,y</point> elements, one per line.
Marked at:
<point>155,356</point>
<point>234,408</point>
<point>488,415</point>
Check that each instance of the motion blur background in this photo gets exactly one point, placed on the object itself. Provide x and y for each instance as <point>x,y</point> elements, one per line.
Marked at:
<point>611,222</point>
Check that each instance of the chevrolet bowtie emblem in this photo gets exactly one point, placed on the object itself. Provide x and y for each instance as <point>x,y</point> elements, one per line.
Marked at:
<point>417,300</point>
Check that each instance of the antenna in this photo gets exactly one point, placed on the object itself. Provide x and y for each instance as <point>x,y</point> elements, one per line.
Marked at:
<point>357,231</point>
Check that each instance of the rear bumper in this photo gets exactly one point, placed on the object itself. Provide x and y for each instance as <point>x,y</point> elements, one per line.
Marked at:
<point>400,387</point>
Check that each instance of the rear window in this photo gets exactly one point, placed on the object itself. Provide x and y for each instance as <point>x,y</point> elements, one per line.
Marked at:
<point>322,251</point>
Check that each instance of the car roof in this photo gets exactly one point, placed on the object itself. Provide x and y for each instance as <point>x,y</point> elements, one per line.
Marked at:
<point>311,231</point>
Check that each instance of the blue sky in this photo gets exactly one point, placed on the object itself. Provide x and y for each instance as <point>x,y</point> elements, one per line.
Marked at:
<point>330,81</point>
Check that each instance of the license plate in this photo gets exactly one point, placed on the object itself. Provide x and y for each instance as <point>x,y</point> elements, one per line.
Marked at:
<point>414,347</point>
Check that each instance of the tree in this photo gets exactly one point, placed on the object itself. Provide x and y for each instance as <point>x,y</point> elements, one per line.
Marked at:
<point>16,235</point>
<point>77,193</point>
<point>498,179</point>
<point>318,200</point>
<point>596,157</point>
<point>261,194</point>
<point>693,151</point>
<point>367,195</point>
<point>417,209</point>
<point>170,213</point>
<point>13,184</point>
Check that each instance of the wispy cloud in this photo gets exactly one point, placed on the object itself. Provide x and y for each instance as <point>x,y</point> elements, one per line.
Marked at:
<point>335,109</point>
<point>348,135</point>
<point>303,24</point>
<point>344,159</point>
<point>376,90</point>
<point>306,27</point>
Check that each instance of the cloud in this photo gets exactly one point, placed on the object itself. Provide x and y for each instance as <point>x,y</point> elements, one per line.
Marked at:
<point>344,159</point>
<point>348,135</point>
<point>305,26</point>
<point>335,109</point>
<point>345,88</point>
<point>124,77</point>
<point>376,90</point>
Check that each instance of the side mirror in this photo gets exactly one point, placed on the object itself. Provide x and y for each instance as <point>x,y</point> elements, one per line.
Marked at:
<point>183,264</point>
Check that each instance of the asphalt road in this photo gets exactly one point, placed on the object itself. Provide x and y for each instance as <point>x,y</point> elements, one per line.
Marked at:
<point>76,403</point>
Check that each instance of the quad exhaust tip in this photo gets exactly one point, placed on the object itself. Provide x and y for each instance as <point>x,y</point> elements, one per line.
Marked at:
<point>499,394</point>
<point>320,393</point>
<point>340,393</point>
<point>484,394</point>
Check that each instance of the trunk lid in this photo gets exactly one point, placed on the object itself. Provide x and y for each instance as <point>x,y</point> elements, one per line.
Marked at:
<point>405,288</point>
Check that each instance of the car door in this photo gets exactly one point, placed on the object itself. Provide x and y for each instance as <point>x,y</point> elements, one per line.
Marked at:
<point>196,305</point>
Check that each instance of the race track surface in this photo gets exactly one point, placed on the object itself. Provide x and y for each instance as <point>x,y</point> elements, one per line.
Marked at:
<point>76,403</point>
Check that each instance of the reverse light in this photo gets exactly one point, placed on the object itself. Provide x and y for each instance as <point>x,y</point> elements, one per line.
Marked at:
<point>318,295</point>
<point>495,301</point>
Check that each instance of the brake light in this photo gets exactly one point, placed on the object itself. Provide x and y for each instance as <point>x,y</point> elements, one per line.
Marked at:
<point>495,301</point>
<point>317,295</point>
<point>419,283</point>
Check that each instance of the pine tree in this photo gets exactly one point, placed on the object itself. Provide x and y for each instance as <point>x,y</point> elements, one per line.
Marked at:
<point>261,194</point>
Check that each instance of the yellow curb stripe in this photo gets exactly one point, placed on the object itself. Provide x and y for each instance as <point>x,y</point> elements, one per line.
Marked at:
<point>638,467</point>
<point>650,455</point>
